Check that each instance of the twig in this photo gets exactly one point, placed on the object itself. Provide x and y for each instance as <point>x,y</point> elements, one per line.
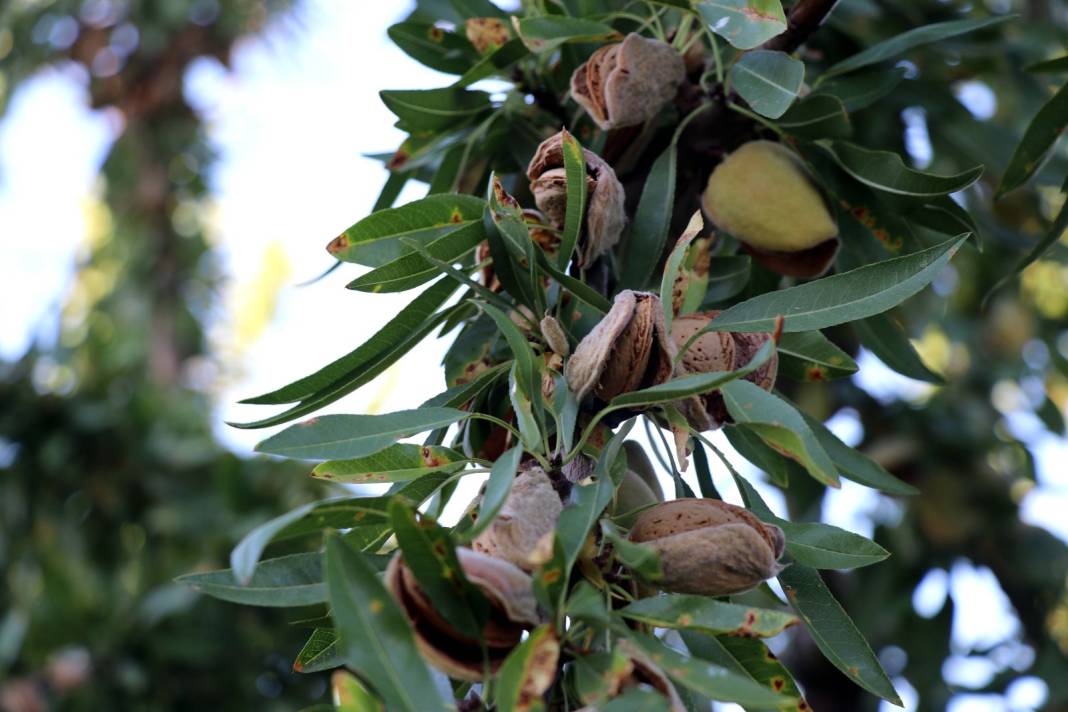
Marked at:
<point>805,18</point>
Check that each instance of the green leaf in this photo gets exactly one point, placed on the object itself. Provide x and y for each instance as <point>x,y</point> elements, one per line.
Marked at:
<point>543,34</point>
<point>430,554</point>
<point>749,445</point>
<point>881,335</point>
<point>727,276</point>
<point>780,426</point>
<point>701,613</point>
<point>587,603</point>
<point>339,437</point>
<point>397,463</point>
<point>811,356</point>
<point>412,269</point>
<point>817,116</point>
<point>855,465</point>
<point>1037,142</point>
<point>525,368</point>
<point>498,487</point>
<point>859,293</point>
<point>321,652</point>
<point>496,62</point>
<point>477,8</point>
<point>375,240</point>
<point>712,681</point>
<point>768,81</point>
<point>285,582</point>
<point>639,558</point>
<point>434,109</point>
<point>432,46</point>
<point>674,264</point>
<point>886,171</point>
<point>351,695</point>
<point>829,625</point>
<point>823,546</point>
<point>859,91</point>
<point>247,553</point>
<point>1049,66</point>
<point>461,395</point>
<point>744,23</point>
<point>834,632</point>
<point>637,699</point>
<point>749,657</point>
<point>575,211</point>
<point>375,636</point>
<point>888,49</point>
<point>527,672</point>
<point>685,386</point>
<point>652,219</point>
<point>577,287</point>
<point>387,345</point>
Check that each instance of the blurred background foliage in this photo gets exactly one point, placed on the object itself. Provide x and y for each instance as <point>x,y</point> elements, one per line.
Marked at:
<point>111,482</point>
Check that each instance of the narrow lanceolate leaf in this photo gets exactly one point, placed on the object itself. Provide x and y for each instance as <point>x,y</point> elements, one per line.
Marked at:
<point>498,487</point>
<point>743,23</point>
<point>1049,66</point>
<point>528,672</point>
<point>810,356</point>
<point>859,293</point>
<point>375,637</point>
<point>397,463</point>
<point>749,445</point>
<point>288,581</point>
<point>712,681</point>
<point>459,396</point>
<point>351,694</point>
<point>524,367</point>
<point>1053,234</point>
<point>817,116</point>
<point>749,657</point>
<point>543,34</point>
<point>886,171</point>
<point>389,341</point>
<point>707,615</point>
<point>679,388</point>
<point>575,168</point>
<point>648,232</point>
<point>339,513</point>
<point>855,465</point>
<point>834,632</point>
<point>881,335</point>
<point>823,546</point>
<point>430,554</point>
<point>432,46</point>
<point>321,652</point>
<point>434,109</point>
<point>780,426</point>
<point>1038,140</point>
<point>859,91</point>
<point>375,240</point>
<point>412,269</point>
<point>674,264</point>
<point>768,81</point>
<point>338,437</point>
<point>895,46</point>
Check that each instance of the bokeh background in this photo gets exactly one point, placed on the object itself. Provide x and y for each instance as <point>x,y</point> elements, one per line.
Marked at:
<point>169,175</point>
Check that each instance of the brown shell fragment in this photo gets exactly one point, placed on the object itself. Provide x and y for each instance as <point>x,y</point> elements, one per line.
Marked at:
<point>513,609</point>
<point>629,349</point>
<point>605,216</point>
<point>628,83</point>
<point>709,547</point>
<point>717,351</point>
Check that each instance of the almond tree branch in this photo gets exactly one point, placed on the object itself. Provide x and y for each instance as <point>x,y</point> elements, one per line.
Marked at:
<point>805,18</point>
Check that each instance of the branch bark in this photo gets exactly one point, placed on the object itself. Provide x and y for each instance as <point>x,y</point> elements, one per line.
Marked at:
<point>804,19</point>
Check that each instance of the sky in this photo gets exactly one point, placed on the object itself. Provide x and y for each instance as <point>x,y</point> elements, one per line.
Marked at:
<point>291,121</point>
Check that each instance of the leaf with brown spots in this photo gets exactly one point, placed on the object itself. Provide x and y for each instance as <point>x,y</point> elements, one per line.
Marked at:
<point>397,463</point>
<point>744,23</point>
<point>528,672</point>
<point>708,615</point>
<point>746,656</point>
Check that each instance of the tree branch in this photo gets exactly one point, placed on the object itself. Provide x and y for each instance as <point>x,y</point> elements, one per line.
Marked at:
<point>805,18</point>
